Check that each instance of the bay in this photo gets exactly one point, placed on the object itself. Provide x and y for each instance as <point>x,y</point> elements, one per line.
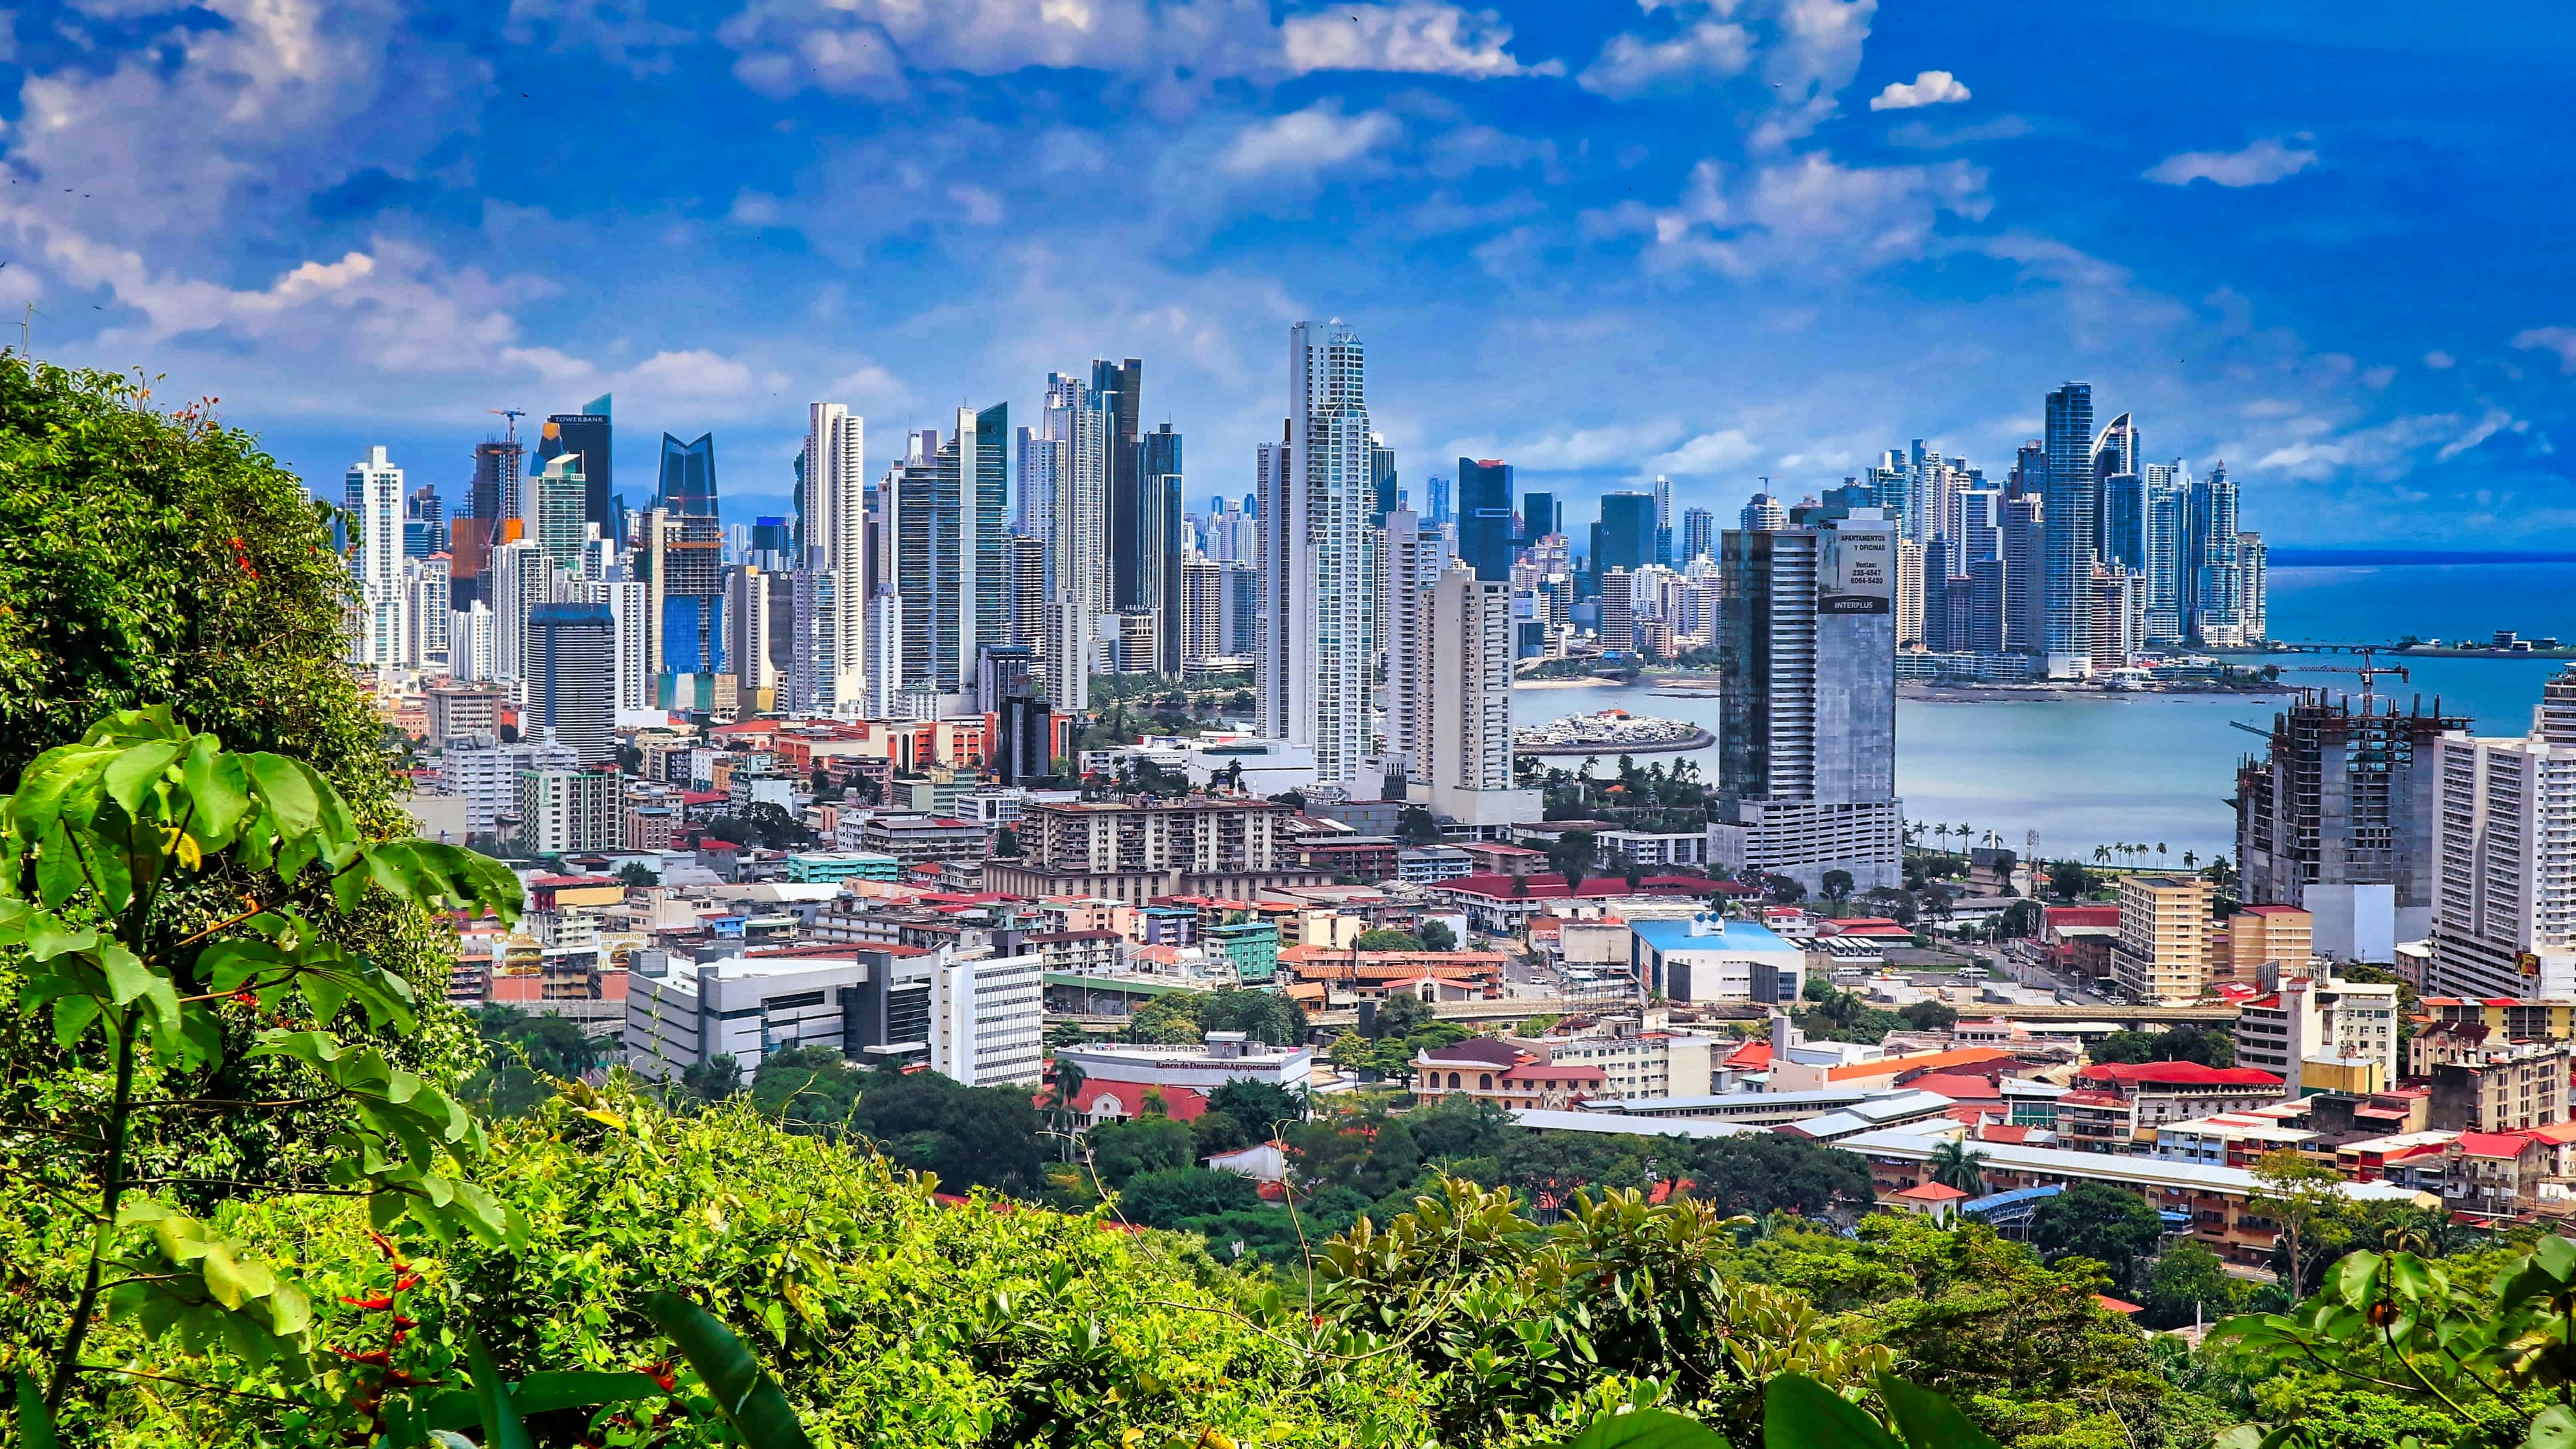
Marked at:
<point>2101,770</point>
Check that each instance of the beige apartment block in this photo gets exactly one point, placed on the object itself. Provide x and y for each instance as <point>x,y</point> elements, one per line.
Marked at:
<point>2162,953</point>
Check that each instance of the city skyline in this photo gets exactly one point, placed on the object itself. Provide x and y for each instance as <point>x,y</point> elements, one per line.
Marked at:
<point>1595,246</point>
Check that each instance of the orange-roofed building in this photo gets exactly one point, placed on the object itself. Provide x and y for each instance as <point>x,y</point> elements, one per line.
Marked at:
<point>1935,1200</point>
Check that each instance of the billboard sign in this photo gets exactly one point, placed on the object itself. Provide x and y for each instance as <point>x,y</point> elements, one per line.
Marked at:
<point>1858,575</point>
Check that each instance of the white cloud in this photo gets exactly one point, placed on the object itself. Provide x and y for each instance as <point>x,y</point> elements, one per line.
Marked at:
<point>622,33</point>
<point>1704,50</point>
<point>2440,361</point>
<point>2259,164</point>
<point>1930,88</point>
<point>1814,54</point>
<point>2560,340</point>
<point>1315,139</point>
<point>866,47</point>
<point>1809,214</point>
<point>2497,420</point>
<point>1412,36</point>
<point>1722,451</point>
<point>2382,451</point>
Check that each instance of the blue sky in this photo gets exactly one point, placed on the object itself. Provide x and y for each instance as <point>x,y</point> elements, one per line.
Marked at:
<point>1715,240</point>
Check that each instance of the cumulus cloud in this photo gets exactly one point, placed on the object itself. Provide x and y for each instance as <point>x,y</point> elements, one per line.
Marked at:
<point>1413,36</point>
<point>867,47</point>
<point>623,34</point>
<point>2560,340</point>
<point>1930,88</point>
<point>1705,49</point>
<point>2440,361</point>
<point>1809,213</point>
<point>2260,164</point>
<point>1315,139</point>
<point>2381,451</point>
<point>1722,451</point>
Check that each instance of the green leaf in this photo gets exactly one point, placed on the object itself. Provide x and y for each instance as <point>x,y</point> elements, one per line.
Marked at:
<point>1929,1420</point>
<point>2553,1428</point>
<point>129,776</point>
<point>218,789</point>
<point>747,1396</point>
<point>224,1277</point>
<point>502,1427</point>
<point>1799,1413</point>
<point>580,1389</point>
<point>287,792</point>
<point>1648,1429</point>
<point>48,937</point>
<point>35,1421</point>
<point>127,976</point>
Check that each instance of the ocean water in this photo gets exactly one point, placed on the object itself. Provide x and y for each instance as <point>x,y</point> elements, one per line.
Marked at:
<point>2159,769</point>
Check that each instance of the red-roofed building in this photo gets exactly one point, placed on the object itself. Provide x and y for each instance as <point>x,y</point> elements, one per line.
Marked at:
<point>2496,1172</point>
<point>1504,905</point>
<point>1496,1071</point>
<point>1100,1101</point>
<point>2118,1106</point>
<point>1871,928</point>
<point>1935,1200</point>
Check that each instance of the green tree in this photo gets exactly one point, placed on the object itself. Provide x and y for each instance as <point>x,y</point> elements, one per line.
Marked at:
<point>637,874</point>
<point>1415,825</point>
<point>162,901</point>
<point>1216,1132</point>
<point>1957,1165</point>
<point>2188,1283</point>
<point>1006,843</point>
<point>1171,1197</point>
<point>2069,881</point>
<point>1121,1150</point>
<point>1403,1014</point>
<point>806,1089</point>
<point>552,1043</point>
<point>1256,1104</point>
<point>1930,1015</point>
<point>970,1136</point>
<point>1838,885</point>
<point>1571,855</point>
<point>712,1080</point>
<point>1385,939</point>
<point>1436,936</point>
<point>2299,1196</point>
<point>2110,1225</point>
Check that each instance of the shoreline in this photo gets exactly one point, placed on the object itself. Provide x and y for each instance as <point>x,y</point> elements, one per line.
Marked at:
<point>1968,692</point>
<point>1585,683</point>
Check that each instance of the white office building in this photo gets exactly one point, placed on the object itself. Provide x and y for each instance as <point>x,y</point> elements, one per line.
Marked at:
<point>1465,661</point>
<point>1076,432</point>
<point>836,540</point>
<point>2504,859</point>
<point>486,773</point>
<point>976,1020</point>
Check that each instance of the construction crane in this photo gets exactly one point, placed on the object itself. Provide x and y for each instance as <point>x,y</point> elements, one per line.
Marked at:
<point>513,414</point>
<point>2369,671</point>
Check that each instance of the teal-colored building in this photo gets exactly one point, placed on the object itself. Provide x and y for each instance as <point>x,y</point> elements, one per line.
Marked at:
<point>833,867</point>
<point>1252,949</point>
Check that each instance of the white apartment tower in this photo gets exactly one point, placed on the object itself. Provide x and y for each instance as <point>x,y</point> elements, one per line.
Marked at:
<point>1416,557</point>
<point>1077,435</point>
<point>836,535</point>
<point>1312,672</point>
<point>2504,887</point>
<point>374,499</point>
<point>1466,746</point>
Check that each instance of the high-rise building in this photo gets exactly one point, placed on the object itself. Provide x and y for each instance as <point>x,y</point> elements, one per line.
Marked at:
<point>1202,611</point>
<point>688,481</point>
<point>952,566</point>
<point>1465,753</point>
<point>2338,818</point>
<point>1313,672</point>
<point>1383,484</point>
<point>1664,521</point>
<point>1909,594</point>
<point>1435,495</point>
<point>1806,646</point>
<point>1541,516</point>
<point>586,435</point>
<point>629,605</point>
<point>833,522</point>
<point>1417,555</point>
<point>2067,525</point>
<point>562,812</point>
<point>2253,585</point>
<point>373,498</point>
<point>1081,428</point>
<point>572,678</point>
<point>2162,953</point>
<point>1763,514</point>
<point>424,522</point>
<point>813,670</point>
<point>760,634</point>
<point>2214,582</point>
<point>1118,392</point>
<point>1485,517</point>
<point>494,493</point>
<point>680,561</point>
<point>426,614</point>
<point>554,518</point>
<point>1699,535</point>
<point>470,642</point>
<point>1625,536</point>
<point>1242,609</point>
<point>2115,455</point>
<point>1160,547</point>
<point>1028,594</point>
<point>2118,625</point>
<point>2025,546</point>
<point>2504,895</point>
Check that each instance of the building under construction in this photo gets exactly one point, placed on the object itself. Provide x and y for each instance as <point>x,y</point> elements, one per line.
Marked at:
<point>2338,818</point>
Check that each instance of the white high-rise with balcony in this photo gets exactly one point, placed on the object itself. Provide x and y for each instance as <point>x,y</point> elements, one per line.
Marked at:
<point>1312,671</point>
<point>374,499</point>
<point>2504,854</point>
<point>836,539</point>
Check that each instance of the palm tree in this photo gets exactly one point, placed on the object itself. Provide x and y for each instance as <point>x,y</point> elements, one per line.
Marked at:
<point>2160,852</point>
<point>2101,855</point>
<point>1068,1084</point>
<point>1954,1164</point>
<point>2189,860</point>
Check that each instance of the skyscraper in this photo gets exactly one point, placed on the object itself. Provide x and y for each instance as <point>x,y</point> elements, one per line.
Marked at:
<point>1625,536</point>
<point>1541,515</point>
<point>586,435</point>
<point>2504,891</point>
<point>1081,430</point>
<point>833,523</point>
<point>1664,521</point>
<point>572,678</point>
<point>1806,643</point>
<point>1699,535</point>
<point>1763,514</point>
<point>1485,517</point>
<point>952,565</point>
<point>2025,610</point>
<point>494,493</point>
<point>1118,390</point>
<point>2068,527</point>
<point>1465,753</point>
<point>1382,481</point>
<point>424,523</point>
<point>1159,477</point>
<point>688,482</point>
<point>373,498</point>
<point>554,515</point>
<point>1312,671</point>
<point>2213,583</point>
<point>1417,554</point>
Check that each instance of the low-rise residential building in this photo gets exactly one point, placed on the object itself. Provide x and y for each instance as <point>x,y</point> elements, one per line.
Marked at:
<point>2308,1021</point>
<point>808,867</point>
<point>1250,948</point>
<point>2117,1107</point>
<point>1635,1063</point>
<point>2501,1088</point>
<point>2509,1018</point>
<point>1076,953</point>
<point>2232,1139</point>
<point>1494,1070</point>
<point>2281,937</point>
<point>1431,864</point>
<point>2162,953</point>
<point>913,839</point>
